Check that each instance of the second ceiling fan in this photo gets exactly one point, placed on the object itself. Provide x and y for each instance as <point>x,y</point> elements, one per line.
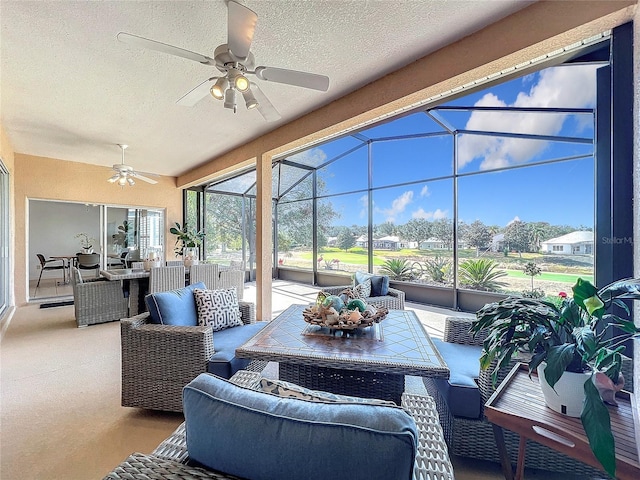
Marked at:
<point>235,62</point>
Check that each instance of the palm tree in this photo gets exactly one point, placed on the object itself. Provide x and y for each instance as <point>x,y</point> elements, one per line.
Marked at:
<point>481,274</point>
<point>397,269</point>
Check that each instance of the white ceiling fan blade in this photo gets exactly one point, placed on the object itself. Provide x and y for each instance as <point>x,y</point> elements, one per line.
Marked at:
<point>293,77</point>
<point>142,42</point>
<point>196,94</point>
<point>143,178</point>
<point>241,24</point>
<point>265,107</point>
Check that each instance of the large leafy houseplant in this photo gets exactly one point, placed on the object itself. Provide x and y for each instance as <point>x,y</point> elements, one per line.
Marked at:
<point>580,335</point>
<point>185,237</point>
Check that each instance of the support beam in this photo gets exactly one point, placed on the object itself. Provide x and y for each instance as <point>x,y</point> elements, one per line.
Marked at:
<point>264,235</point>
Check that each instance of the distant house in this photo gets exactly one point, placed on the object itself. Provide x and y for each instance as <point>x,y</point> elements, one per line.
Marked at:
<point>574,243</point>
<point>362,241</point>
<point>389,242</point>
<point>433,244</point>
<point>332,241</point>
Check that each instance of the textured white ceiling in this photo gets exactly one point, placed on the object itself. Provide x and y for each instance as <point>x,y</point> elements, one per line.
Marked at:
<point>70,90</point>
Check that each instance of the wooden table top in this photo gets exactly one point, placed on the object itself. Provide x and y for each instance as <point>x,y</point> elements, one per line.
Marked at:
<point>400,346</point>
<point>518,405</point>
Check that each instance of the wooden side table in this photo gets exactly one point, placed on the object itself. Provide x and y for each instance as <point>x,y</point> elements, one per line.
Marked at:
<point>518,405</point>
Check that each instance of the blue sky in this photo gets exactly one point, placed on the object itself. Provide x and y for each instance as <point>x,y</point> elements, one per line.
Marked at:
<point>559,193</point>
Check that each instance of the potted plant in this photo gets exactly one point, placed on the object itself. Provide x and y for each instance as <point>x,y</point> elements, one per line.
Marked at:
<point>86,242</point>
<point>186,239</point>
<point>579,335</point>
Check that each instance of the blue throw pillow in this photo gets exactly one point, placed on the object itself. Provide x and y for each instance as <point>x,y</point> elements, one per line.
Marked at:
<point>379,283</point>
<point>361,441</point>
<point>175,307</point>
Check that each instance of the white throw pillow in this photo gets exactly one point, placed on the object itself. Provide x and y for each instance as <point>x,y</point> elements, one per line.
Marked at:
<point>291,390</point>
<point>218,308</point>
<point>363,290</point>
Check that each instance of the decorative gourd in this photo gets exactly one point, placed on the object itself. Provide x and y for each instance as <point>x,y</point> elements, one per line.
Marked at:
<point>333,301</point>
<point>357,303</point>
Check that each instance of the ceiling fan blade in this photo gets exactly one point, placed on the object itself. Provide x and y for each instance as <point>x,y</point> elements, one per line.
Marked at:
<point>197,93</point>
<point>293,77</point>
<point>143,178</point>
<point>142,42</point>
<point>241,24</point>
<point>265,107</point>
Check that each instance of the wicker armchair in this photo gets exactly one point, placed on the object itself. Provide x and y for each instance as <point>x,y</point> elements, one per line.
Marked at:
<point>96,301</point>
<point>474,437</point>
<point>170,458</point>
<point>394,300</point>
<point>159,360</point>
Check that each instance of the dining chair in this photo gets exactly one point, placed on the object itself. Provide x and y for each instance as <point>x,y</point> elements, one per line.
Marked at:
<point>174,263</point>
<point>51,264</point>
<point>207,273</point>
<point>89,261</point>
<point>162,279</point>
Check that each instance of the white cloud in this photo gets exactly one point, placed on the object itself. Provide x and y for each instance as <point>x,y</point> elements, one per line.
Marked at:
<point>398,206</point>
<point>425,191</point>
<point>435,215</point>
<point>570,87</point>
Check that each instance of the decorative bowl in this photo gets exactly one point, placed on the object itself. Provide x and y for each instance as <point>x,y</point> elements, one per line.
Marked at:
<point>345,320</point>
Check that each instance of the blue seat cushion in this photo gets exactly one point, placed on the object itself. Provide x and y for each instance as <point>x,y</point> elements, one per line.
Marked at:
<point>175,307</point>
<point>379,283</point>
<point>224,362</point>
<point>460,391</point>
<point>260,436</point>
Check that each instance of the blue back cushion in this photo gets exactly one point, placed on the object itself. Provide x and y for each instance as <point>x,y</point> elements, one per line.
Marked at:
<point>290,438</point>
<point>460,391</point>
<point>379,283</point>
<point>175,307</point>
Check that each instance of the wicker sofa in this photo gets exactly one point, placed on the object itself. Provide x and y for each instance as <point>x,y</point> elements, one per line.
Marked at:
<point>170,459</point>
<point>393,300</point>
<point>159,360</point>
<point>97,301</point>
<point>473,437</point>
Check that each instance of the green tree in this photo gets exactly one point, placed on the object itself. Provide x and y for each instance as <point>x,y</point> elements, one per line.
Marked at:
<point>415,230</point>
<point>346,239</point>
<point>397,269</point>
<point>442,229</point>
<point>478,236</point>
<point>384,229</point>
<point>481,274</point>
<point>516,235</point>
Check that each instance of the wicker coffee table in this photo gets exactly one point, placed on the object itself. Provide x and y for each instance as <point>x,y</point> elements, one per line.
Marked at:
<point>371,363</point>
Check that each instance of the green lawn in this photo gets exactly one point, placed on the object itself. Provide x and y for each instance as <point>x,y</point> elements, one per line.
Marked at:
<point>551,277</point>
<point>346,257</point>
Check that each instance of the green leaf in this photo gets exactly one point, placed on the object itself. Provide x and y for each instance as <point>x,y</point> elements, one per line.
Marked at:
<point>558,358</point>
<point>586,296</point>
<point>597,425</point>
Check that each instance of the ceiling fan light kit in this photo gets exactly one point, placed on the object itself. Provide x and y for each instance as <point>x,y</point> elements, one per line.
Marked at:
<point>124,174</point>
<point>234,60</point>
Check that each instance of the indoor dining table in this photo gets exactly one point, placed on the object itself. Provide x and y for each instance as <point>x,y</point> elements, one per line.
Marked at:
<point>67,261</point>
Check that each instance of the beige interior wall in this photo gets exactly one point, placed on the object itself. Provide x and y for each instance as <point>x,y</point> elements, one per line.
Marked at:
<point>54,179</point>
<point>7,155</point>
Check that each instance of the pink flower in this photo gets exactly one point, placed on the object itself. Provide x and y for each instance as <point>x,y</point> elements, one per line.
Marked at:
<point>562,294</point>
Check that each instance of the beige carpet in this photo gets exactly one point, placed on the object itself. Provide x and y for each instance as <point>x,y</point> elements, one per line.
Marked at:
<point>60,403</point>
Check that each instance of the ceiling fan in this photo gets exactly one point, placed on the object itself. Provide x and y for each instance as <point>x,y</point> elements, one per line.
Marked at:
<point>125,174</point>
<point>234,60</point>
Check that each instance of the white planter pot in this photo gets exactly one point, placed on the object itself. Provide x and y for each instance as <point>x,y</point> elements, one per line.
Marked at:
<point>567,395</point>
